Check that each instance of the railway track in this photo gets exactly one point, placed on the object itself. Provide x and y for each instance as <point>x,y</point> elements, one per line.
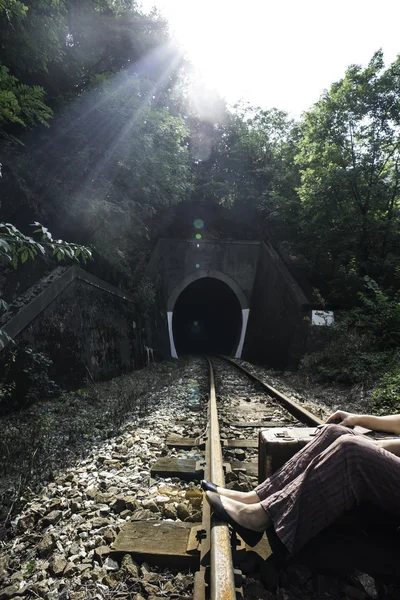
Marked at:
<point>233,424</point>
<point>135,497</point>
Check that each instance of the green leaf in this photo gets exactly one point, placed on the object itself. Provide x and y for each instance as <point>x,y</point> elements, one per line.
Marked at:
<point>5,245</point>
<point>3,304</point>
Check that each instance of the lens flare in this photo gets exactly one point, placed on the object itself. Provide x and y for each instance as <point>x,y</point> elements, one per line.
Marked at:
<point>199,223</point>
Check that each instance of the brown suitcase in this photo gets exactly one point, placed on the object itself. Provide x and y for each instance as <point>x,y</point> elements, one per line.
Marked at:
<point>277,444</point>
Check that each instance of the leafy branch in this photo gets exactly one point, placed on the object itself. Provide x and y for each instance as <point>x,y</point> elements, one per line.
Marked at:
<point>20,104</point>
<point>17,247</point>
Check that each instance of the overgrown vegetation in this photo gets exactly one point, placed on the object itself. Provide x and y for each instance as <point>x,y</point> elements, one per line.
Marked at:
<point>363,347</point>
<point>25,378</point>
<point>386,396</point>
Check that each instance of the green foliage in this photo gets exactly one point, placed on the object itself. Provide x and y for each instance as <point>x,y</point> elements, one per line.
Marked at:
<point>386,396</point>
<point>20,104</point>
<point>17,248</point>
<point>245,164</point>
<point>325,189</point>
<point>349,156</point>
<point>51,48</point>
<point>113,160</point>
<point>13,9</point>
<point>362,343</point>
<point>25,378</point>
<point>317,297</point>
<point>29,568</point>
<point>345,359</point>
<point>378,315</point>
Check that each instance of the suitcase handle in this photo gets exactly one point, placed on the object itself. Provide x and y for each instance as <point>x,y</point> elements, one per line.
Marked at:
<point>287,436</point>
<point>284,435</point>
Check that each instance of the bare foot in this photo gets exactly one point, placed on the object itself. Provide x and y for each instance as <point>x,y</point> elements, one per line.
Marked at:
<point>252,516</point>
<point>244,497</point>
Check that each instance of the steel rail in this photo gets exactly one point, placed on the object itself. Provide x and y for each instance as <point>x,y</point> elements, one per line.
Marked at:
<point>222,582</point>
<point>295,409</point>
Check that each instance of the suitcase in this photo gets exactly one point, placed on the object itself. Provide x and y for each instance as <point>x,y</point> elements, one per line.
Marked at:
<point>277,444</point>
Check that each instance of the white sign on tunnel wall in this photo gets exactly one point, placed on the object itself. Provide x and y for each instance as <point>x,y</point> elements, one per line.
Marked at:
<point>322,317</point>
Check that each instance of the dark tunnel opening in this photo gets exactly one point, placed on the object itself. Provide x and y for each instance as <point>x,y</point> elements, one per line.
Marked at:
<point>207,318</point>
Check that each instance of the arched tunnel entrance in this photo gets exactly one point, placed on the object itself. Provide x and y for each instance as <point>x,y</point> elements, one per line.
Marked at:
<point>207,318</point>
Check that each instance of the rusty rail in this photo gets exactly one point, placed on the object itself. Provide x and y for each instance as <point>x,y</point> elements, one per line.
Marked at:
<point>217,544</point>
<point>295,409</point>
<point>222,581</point>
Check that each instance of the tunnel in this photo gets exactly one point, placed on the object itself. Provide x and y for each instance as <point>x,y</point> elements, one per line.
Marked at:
<point>207,318</point>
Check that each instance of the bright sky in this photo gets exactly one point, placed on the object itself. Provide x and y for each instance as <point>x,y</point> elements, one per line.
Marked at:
<point>282,53</point>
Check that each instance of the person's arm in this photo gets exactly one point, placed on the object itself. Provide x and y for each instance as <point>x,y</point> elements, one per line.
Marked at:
<point>391,445</point>
<point>388,423</point>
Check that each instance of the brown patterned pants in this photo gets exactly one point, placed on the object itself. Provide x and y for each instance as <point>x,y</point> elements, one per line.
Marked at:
<point>333,473</point>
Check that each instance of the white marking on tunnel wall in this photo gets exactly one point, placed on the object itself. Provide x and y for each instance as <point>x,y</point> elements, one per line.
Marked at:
<point>245,318</point>
<point>171,335</point>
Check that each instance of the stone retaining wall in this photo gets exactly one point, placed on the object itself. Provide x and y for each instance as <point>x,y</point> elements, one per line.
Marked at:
<point>85,325</point>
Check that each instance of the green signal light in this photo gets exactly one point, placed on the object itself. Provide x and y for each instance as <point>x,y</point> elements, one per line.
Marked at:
<point>197,266</point>
<point>198,236</point>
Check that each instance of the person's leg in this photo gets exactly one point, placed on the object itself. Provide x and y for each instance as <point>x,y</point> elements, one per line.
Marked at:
<point>300,461</point>
<point>291,469</point>
<point>351,470</point>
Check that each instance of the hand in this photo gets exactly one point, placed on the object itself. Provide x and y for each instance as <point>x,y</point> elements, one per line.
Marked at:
<point>341,417</point>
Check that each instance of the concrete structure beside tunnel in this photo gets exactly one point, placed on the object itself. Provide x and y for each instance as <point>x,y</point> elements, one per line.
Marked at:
<point>271,303</point>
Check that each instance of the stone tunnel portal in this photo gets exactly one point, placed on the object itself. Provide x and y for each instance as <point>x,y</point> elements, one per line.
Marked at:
<point>207,318</point>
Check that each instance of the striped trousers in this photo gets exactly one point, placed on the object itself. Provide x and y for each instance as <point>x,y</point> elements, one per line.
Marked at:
<point>336,471</point>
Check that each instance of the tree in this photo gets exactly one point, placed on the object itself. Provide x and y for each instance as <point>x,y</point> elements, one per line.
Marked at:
<point>249,169</point>
<point>110,162</point>
<point>116,150</point>
<point>50,52</point>
<point>349,156</point>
